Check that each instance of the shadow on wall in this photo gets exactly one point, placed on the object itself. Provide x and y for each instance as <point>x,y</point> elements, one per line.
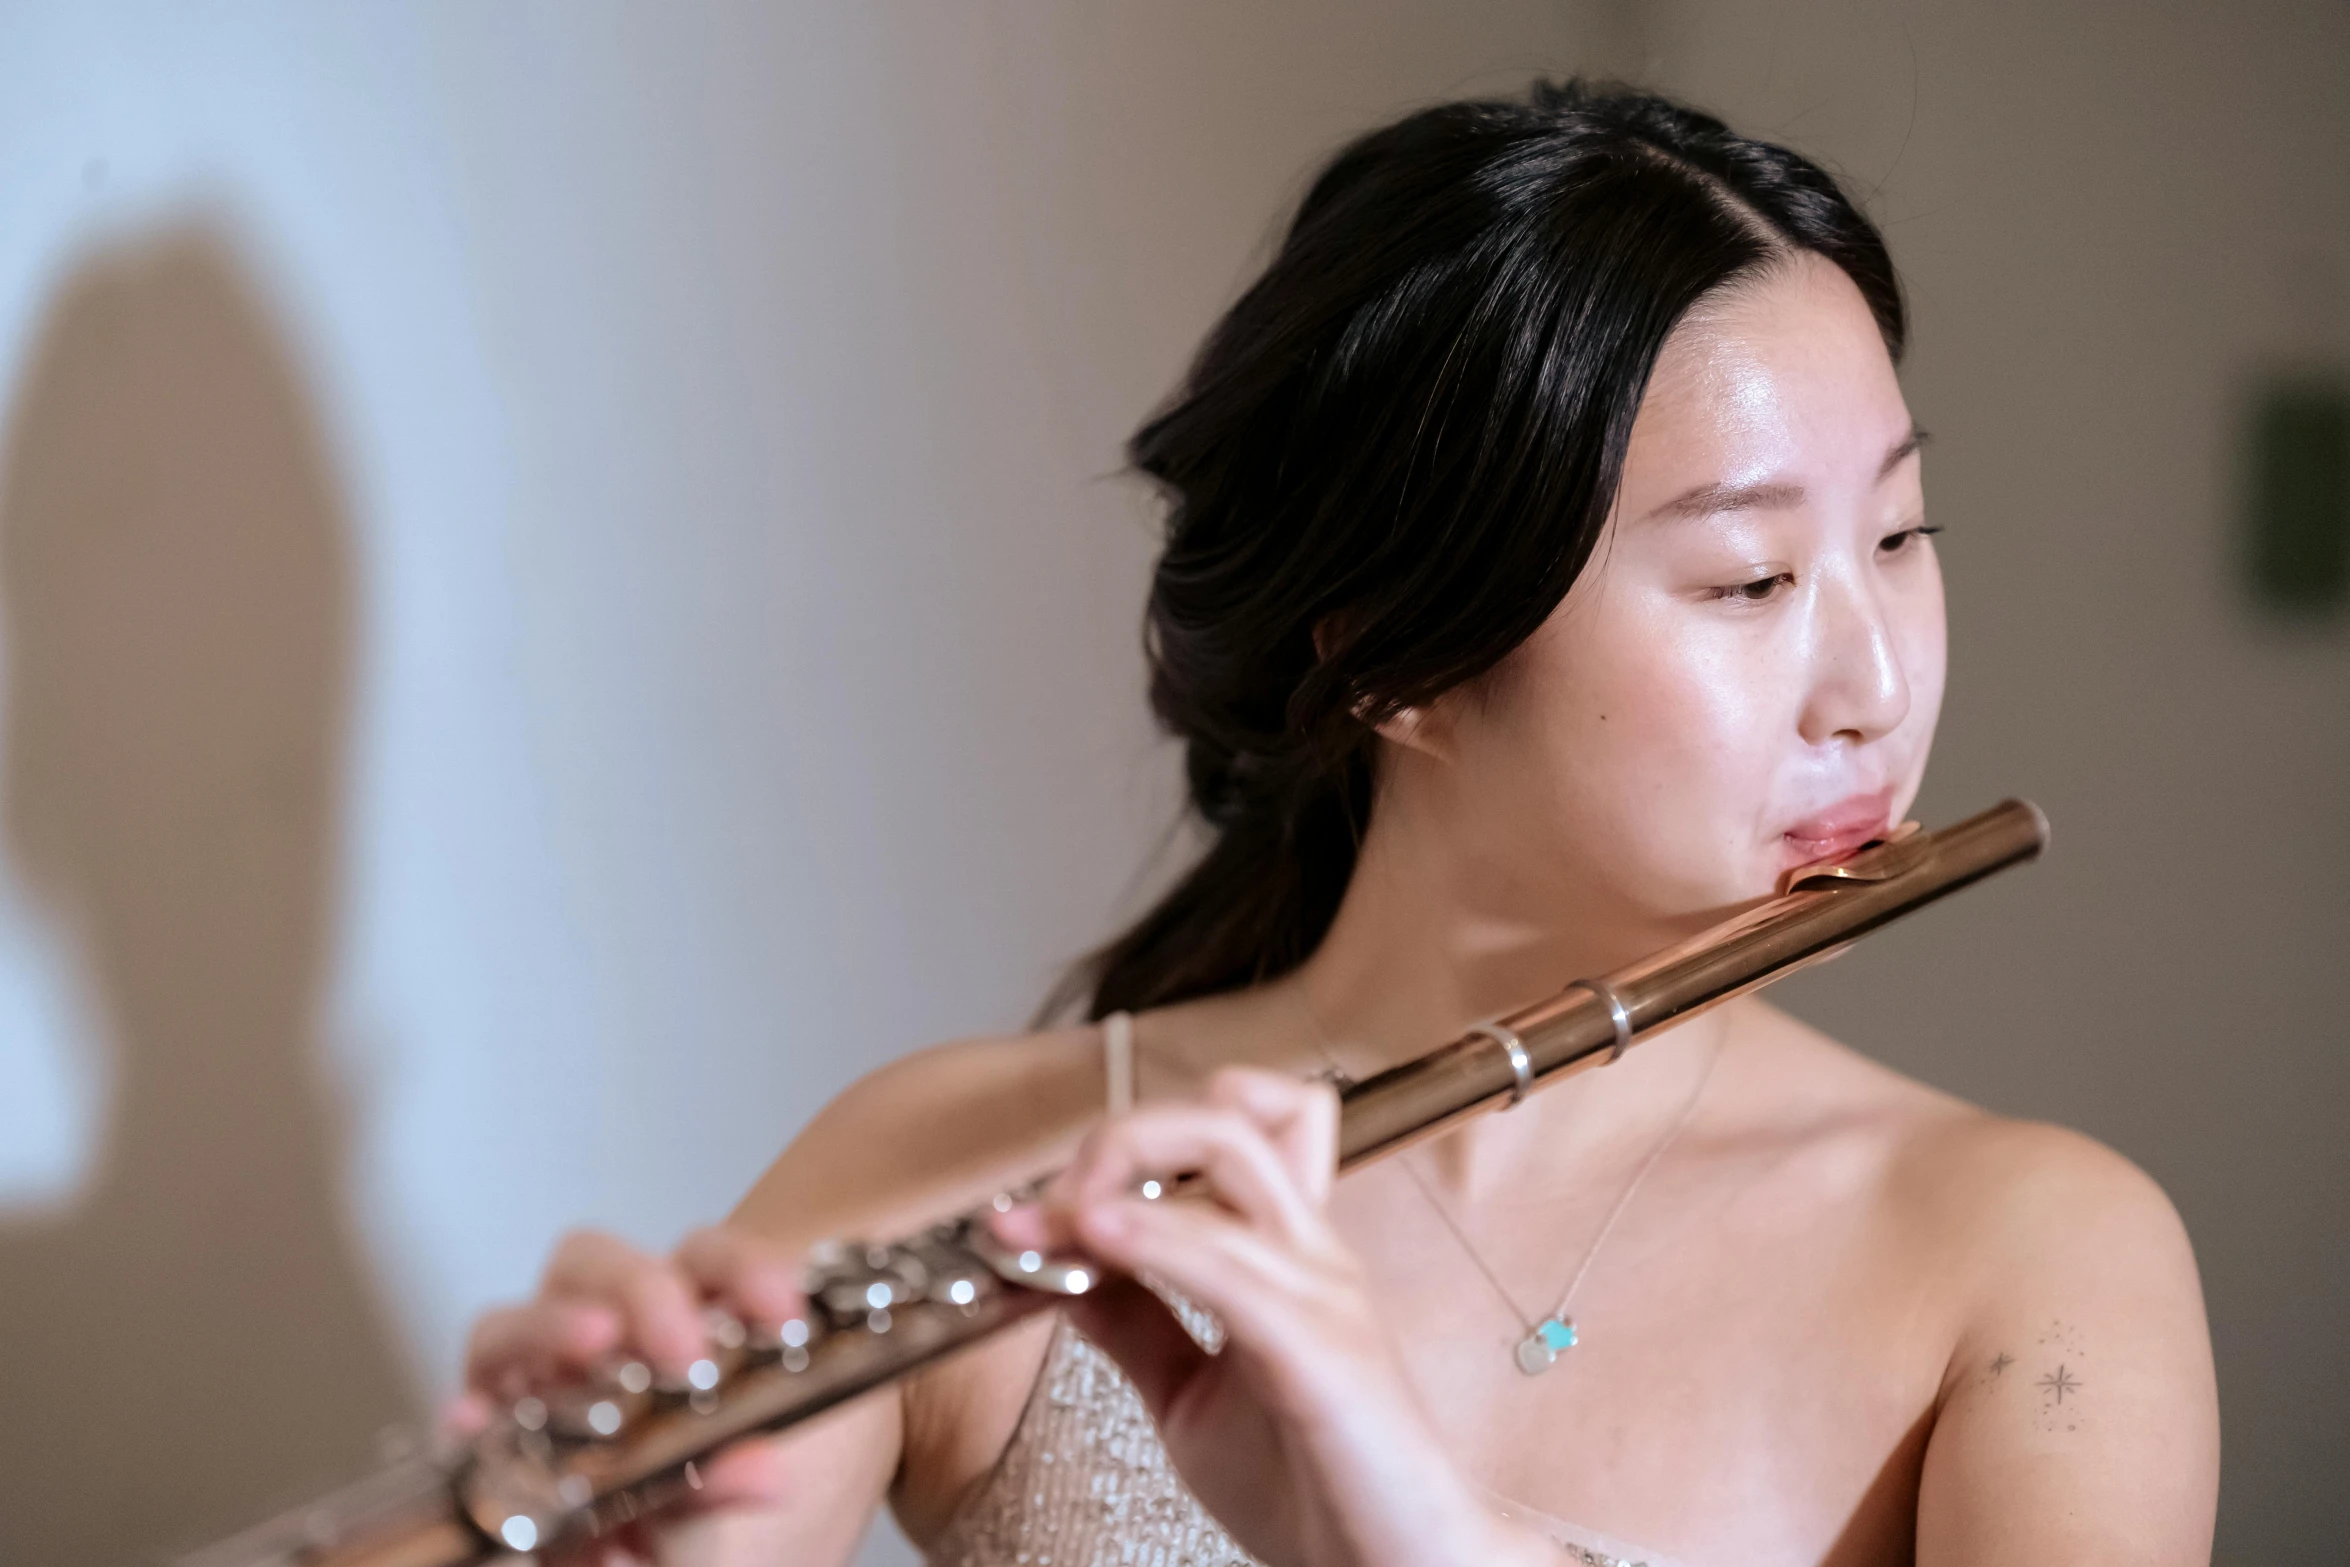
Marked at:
<point>195,1340</point>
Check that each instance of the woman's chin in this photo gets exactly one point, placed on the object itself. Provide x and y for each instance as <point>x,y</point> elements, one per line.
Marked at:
<point>1700,906</point>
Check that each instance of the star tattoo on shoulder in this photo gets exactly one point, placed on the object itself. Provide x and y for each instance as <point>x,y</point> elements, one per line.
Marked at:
<point>2058,1383</point>
<point>2001,1362</point>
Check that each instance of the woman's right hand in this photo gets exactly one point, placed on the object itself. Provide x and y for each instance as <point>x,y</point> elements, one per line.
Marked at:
<point>603,1302</point>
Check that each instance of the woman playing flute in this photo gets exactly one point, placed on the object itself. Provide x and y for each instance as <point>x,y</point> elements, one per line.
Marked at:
<point>1546,572</point>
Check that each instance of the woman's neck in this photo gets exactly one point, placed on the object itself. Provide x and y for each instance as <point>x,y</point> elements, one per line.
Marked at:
<point>1441,927</point>
<point>1433,936</point>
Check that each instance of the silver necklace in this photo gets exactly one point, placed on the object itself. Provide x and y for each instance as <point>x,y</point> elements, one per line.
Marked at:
<point>1547,1339</point>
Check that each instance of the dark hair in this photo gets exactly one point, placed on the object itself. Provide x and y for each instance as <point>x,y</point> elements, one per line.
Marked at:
<point>1408,433</point>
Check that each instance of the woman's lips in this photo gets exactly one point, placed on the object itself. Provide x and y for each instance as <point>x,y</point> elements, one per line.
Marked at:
<point>1841,828</point>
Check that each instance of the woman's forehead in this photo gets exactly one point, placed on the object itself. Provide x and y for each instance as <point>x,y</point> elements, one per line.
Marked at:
<point>1784,379</point>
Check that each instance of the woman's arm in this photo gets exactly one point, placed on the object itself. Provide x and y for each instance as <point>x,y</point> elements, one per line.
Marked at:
<point>2079,1421</point>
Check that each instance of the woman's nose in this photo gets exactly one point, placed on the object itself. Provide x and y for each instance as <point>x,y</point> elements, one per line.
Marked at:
<point>1859,689</point>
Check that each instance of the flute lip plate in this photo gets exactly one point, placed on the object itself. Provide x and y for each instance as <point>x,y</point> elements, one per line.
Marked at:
<point>1880,859</point>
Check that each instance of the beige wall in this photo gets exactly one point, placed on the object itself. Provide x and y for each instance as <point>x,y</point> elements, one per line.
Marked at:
<point>670,478</point>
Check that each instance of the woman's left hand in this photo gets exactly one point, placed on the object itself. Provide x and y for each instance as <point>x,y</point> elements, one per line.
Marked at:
<point>1301,1435</point>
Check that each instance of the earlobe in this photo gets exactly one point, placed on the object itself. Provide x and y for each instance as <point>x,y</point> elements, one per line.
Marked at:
<point>1413,728</point>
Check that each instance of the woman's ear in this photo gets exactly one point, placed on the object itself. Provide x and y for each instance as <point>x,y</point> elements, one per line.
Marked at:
<point>1423,729</point>
<point>1419,728</point>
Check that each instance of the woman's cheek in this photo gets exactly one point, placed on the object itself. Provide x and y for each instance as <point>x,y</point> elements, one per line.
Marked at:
<point>1731,720</point>
<point>1929,676</point>
<point>1651,749</point>
<point>1681,762</point>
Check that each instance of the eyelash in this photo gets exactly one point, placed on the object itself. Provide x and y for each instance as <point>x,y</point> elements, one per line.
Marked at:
<point>1762,589</point>
<point>1746,592</point>
<point>1894,543</point>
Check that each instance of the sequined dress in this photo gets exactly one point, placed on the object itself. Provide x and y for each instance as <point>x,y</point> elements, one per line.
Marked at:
<point>1084,1481</point>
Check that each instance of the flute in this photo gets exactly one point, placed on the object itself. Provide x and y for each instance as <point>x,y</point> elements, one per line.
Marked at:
<point>568,1466</point>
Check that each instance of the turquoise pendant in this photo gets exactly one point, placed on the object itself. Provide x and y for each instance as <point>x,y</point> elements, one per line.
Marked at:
<point>1539,1350</point>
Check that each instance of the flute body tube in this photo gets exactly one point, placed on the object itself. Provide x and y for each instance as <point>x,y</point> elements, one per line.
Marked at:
<point>1820,912</point>
<point>881,1312</point>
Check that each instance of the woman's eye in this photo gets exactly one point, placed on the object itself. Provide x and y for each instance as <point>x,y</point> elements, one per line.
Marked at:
<point>1758,591</point>
<point>1895,543</point>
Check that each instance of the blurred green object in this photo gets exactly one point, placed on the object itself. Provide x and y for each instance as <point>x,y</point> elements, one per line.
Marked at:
<point>2297,500</point>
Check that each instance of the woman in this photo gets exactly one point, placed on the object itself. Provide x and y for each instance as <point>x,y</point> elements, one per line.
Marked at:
<point>1546,573</point>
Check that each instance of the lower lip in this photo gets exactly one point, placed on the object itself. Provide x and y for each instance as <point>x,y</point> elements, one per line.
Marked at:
<point>1835,847</point>
<point>1861,821</point>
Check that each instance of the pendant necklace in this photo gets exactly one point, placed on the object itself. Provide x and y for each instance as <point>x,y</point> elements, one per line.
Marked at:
<point>1554,1334</point>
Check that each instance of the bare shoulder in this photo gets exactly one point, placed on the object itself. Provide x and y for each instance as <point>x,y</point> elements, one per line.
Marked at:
<point>2061,1258</point>
<point>2045,1300</point>
<point>936,1128</point>
<point>2059,1290</point>
<point>1984,1183</point>
<point>2033,1195</point>
<point>2008,1202</point>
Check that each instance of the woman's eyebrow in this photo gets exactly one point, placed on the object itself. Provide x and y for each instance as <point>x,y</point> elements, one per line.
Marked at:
<point>1711,500</point>
<point>1909,447</point>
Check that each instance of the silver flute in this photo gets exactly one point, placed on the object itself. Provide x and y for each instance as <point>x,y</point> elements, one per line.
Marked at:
<point>571,1465</point>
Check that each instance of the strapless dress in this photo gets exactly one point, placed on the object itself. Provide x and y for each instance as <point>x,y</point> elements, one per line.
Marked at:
<point>1084,1482</point>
